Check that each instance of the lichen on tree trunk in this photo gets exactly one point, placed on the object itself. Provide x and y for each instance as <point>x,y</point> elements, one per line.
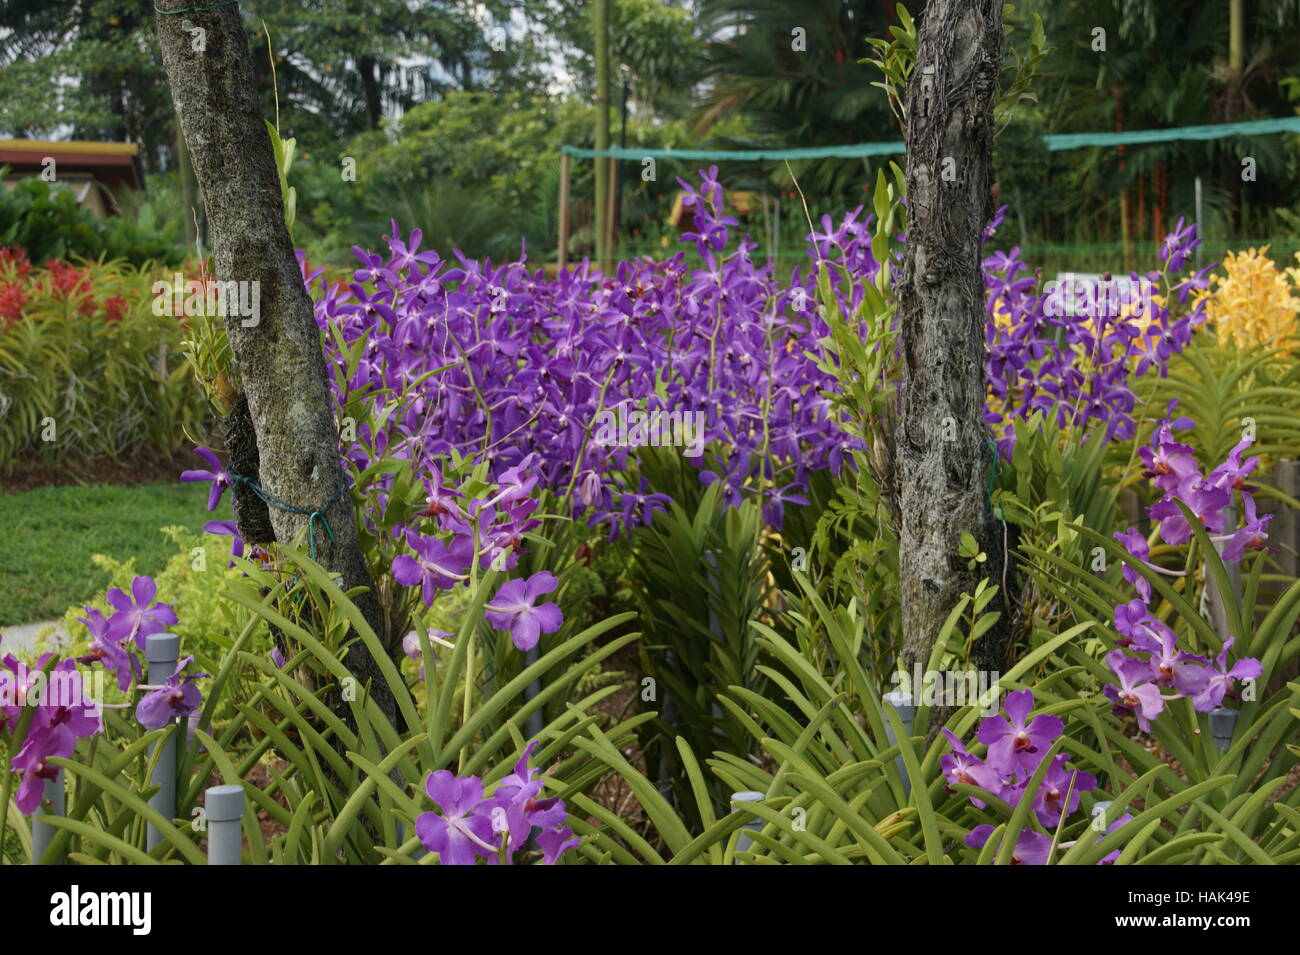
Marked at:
<point>942,450</point>
<point>281,367</point>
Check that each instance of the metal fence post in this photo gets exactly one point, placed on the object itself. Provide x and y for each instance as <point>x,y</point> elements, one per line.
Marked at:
<point>755,825</point>
<point>1222,723</point>
<point>224,807</point>
<point>1215,602</point>
<point>162,651</point>
<point>43,832</point>
<point>901,703</point>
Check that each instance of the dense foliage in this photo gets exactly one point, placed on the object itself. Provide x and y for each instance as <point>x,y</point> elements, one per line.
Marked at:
<point>353,79</point>
<point>44,220</point>
<point>86,368</point>
<point>521,556</point>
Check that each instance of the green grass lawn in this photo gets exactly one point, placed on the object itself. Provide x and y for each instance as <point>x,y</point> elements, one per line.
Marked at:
<point>50,534</point>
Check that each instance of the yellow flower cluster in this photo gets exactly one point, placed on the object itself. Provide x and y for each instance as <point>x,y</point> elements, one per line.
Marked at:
<point>1251,302</point>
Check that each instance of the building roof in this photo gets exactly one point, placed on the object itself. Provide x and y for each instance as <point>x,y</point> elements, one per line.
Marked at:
<point>116,165</point>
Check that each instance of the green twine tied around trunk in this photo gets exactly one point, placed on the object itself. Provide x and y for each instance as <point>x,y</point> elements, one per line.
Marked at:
<point>280,505</point>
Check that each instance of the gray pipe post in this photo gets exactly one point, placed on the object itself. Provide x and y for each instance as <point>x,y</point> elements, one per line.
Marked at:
<point>754,825</point>
<point>901,703</point>
<point>43,832</point>
<point>1223,722</point>
<point>162,651</point>
<point>224,811</point>
<point>1233,567</point>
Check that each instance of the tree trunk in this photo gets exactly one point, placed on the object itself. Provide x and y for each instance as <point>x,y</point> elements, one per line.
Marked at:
<point>371,79</point>
<point>281,367</point>
<point>1236,59</point>
<point>601,18</point>
<point>943,447</point>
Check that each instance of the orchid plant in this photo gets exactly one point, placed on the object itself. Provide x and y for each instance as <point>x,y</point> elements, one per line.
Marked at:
<point>469,396</point>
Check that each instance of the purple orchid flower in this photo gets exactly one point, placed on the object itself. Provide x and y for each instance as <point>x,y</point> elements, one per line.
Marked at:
<point>1134,622</point>
<point>41,743</point>
<point>1219,680</point>
<point>1032,848</point>
<point>227,529</point>
<point>411,645</point>
<point>1136,693</point>
<point>1206,502</point>
<point>1160,455</point>
<point>1252,535</point>
<point>1179,245</point>
<point>17,684</point>
<point>218,475</point>
<point>523,773</point>
<point>1014,744</point>
<point>55,726</point>
<point>137,616</point>
<point>555,842</point>
<point>775,499</point>
<point>178,697</point>
<point>1171,666</point>
<point>523,809</point>
<point>1232,473</point>
<point>106,648</point>
<point>435,566</point>
<point>513,608</point>
<point>960,766</point>
<point>1137,546</point>
<point>516,483</point>
<point>732,479</point>
<point>442,502</point>
<point>500,359</point>
<point>1050,802</point>
<point>461,831</point>
<point>405,257</point>
<point>519,806</point>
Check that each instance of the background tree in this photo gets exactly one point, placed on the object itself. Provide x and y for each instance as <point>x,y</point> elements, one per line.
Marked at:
<point>343,66</point>
<point>941,447</point>
<point>1165,63</point>
<point>86,69</point>
<point>661,48</point>
<point>804,91</point>
<point>283,423</point>
<point>600,29</point>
